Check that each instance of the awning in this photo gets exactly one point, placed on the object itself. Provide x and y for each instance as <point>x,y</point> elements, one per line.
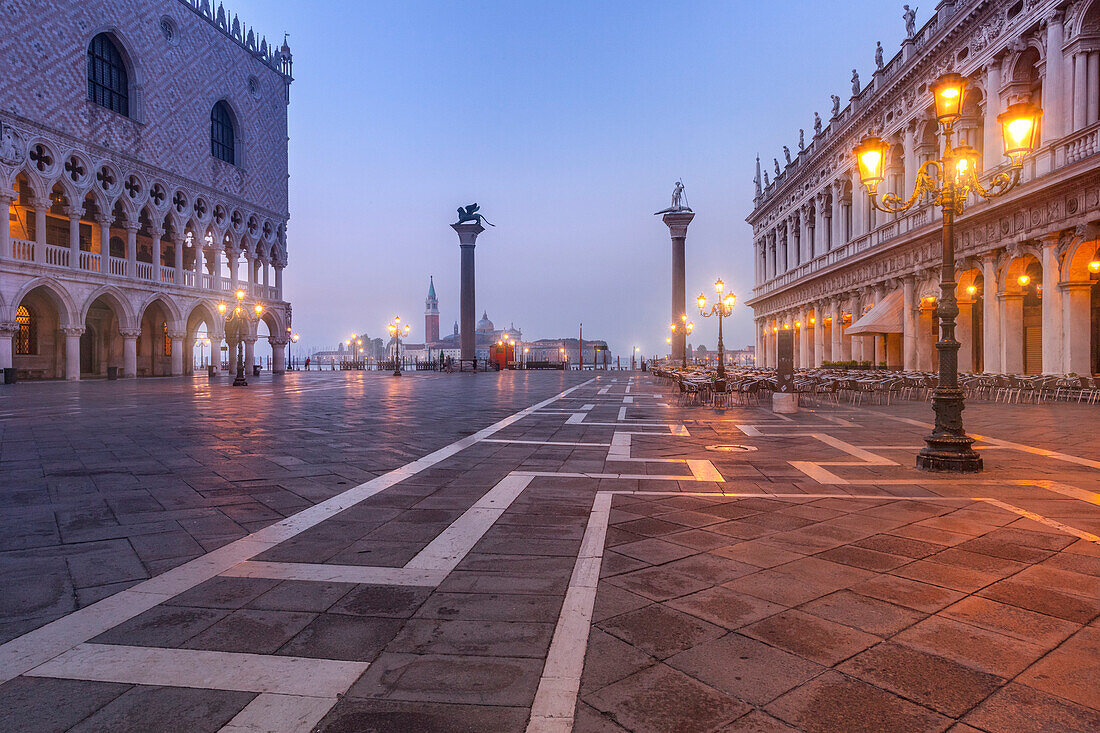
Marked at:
<point>884,317</point>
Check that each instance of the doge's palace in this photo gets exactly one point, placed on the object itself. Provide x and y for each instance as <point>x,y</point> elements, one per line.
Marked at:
<point>143,163</point>
<point>1028,263</point>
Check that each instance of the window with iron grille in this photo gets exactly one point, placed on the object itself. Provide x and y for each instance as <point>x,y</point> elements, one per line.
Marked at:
<point>108,83</point>
<point>221,134</point>
<point>26,338</point>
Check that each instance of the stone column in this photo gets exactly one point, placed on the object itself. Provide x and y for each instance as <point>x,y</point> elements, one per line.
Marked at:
<point>1094,93</point>
<point>40,208</point>
<point>805,353</point>
<point>278,281</point>
<point>1080,90</point>
<point>1052,307</point>
<point>991,317</point>
<point>216,341</point>
<point>233,259</point>
<point>759,341</point>
<point>794,241</point>
<point>772,257</point>
<point>910,319</point>
<point>74,237</point>
<point>215,265</point>
<point>845,339</point>
<point>467,240</point>
<point>72,351</point>
<point>992,147</point>
<point>677,223</point>
<point>1053,90</point>
<point>837,349</point>
<point>278,355</point>
<point>104,243</point>
<point>266,276</point>
<point>1076,307</point>
<point>177,248</point>
<point>200,264</point>
<point>131,249</point>
<point>129,351</point>
<point>5,227</point>
<point>249,354</point>
<point>819,335</point>
<point>8,329</point>
<point>177,352</point>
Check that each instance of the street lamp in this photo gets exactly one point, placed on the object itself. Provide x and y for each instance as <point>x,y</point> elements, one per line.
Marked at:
<point>526,351</point>
<point>396,332</point>
<point>240,317</point>
<point>722,309</point>
<point>949,181</point>
<point>687,327</point>
<point>290,354</point>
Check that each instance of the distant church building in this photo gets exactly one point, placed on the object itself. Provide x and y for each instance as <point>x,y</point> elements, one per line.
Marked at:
<point>431,314</point>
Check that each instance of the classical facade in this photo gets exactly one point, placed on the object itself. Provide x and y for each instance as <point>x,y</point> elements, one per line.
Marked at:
<point>1027,262</point>
<point>143,165</point>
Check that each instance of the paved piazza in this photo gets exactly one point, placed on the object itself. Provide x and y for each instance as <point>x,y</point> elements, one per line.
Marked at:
<point>535,551</point>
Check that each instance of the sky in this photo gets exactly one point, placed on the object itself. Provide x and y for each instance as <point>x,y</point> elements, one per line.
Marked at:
<point>569,122</point>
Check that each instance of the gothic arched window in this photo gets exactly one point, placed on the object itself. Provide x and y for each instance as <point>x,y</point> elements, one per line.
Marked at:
<point>108,83</point>
<point>26,338</point>
<point>167,341</point>
<point>222,134</point>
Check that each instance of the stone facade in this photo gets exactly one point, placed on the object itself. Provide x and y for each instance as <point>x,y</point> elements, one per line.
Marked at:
<point>1028,300</point>
<point>126,230</point>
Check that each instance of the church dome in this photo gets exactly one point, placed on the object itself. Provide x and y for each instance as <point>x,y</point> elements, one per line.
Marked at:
<point>485,325</point>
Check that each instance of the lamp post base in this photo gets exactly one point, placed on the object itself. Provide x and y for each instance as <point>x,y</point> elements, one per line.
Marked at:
<point>397,372</point>
<point>240,381</point>
<point>949,454</point>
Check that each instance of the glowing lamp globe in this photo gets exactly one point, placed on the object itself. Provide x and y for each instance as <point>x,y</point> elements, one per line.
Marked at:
<point>222,307</point>
<point>702,300</point>
<point>240,295</point>
<point>1020,128</point>
<point>949,91</point>
<point>1023,280</point>
<point>871,162</point>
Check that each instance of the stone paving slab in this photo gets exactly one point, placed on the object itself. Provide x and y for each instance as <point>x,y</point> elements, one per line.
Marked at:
<point>822,584</point>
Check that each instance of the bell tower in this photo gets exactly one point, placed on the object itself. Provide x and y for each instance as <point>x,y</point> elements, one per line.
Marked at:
<point>431,314</point>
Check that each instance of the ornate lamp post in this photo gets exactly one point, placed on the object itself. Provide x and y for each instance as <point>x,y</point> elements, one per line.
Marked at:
<point>395,331</point>
<point>723,308</point>
<point>290,345</point>
<point>686,327</point>
<point>239,317</point>
<point>949,181</point>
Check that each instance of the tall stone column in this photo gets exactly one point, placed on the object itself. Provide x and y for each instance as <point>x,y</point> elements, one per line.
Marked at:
<point>278,355</point>
<point>200,264</point>
<point>177,352</point>
<point>131,249</point>
<point>1052,307</point>
<point>129,351</point>
<point>8,329</point>
<point>104,243</point>
<point>74,237</point>
<point>278,281</point>
<point>72,352</point>
<point>5,227</point>
<point>992,148</point>
<point>805,352</point>
<point>677,223</point>
<point>819,335</point>
<point>837,330</point>
<point>1080,89</point>
<point>909,320</point>
<point>991,317</point>
<point>467,240</point>
<point>1054,96</point>
<point>249,353</point>
<point>1076,304</point>
<point>177,250</point>
<point>40,208</point>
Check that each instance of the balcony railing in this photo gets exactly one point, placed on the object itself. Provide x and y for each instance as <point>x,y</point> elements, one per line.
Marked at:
<point>24,251</point>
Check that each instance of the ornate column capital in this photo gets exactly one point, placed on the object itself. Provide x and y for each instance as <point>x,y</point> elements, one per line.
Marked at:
<point>133,226</point>
<point>73,212</point>
<point>71,330</point>
<point>129,333</point>
<point>278,343</point>
<point>8,328</point>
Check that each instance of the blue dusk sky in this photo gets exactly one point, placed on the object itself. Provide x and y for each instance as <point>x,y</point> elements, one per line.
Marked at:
<point>568,122</point>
